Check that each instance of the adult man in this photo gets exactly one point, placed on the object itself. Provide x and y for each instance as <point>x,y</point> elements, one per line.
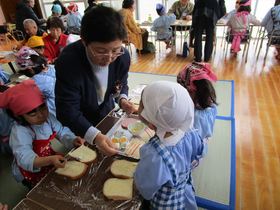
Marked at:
<point>24,11</point>
<point>205,17</point>
<point>92,74</point>
<point>31,29</point>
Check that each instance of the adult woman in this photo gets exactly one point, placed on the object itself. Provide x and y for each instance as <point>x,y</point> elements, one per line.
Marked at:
<point>136,35</point>
<point>92,75</point>
<point>56,40</point>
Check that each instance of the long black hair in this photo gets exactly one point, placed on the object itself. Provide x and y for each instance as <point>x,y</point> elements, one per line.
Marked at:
<point>205,95</point>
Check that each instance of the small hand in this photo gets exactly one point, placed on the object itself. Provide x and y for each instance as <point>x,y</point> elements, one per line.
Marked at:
<point>3,206</point>
<point>188,17</point>
<point>104,144</point>
<point>58,161</point>
<point>78,141</point>
<point>128,106</point>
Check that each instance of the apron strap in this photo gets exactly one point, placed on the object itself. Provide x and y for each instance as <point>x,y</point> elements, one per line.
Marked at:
<point>166,156</point>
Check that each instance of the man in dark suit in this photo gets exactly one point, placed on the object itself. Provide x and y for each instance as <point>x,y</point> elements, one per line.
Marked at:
<point>91,75</point>
<point>206,13</point>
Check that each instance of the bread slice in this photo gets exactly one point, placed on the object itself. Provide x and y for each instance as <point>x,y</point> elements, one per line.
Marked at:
<point>73,169</point>
<point>123,168</point>
<point>84,154</point>
<point>118,189</point>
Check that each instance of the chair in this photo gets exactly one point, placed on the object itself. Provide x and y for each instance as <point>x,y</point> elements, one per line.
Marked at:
<point>246,41</point>
<point>164,40</point>
<point>127,45</point>
<point>273,40</point>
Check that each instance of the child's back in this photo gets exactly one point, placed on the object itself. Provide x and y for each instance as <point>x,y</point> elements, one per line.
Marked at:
<point>163,174</point>
<point>161,25</point>
<point>156,176</point>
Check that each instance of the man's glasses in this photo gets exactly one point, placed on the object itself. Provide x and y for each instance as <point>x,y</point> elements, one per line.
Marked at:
<point>238,2</point>
<point>113,53</point>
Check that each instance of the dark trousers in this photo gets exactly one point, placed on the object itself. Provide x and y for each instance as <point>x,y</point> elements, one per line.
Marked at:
<point>203,23</point>
<point>145,37</point>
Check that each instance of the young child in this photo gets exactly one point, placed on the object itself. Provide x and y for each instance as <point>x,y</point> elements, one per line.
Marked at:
<point>37,44</point>
<point>32,132</point>
<point>239,25</point>
<point>197,78</point>
<point>163,174</point>
<point>162,25</point>
<point>35,66</point>
<point>74,19</point>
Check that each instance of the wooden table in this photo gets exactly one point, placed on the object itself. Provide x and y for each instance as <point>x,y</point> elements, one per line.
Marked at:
<point>6,50</point>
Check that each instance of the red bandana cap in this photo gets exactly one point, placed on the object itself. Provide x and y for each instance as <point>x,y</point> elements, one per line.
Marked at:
<point>22,98</point>
<point>73,7</point>
<point>196,71</point>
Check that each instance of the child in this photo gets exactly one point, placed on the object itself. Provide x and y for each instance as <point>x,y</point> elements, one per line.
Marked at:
<point>32,132</point>
<point>37,44</point>
<point>33,65</point>
<point>163,174</point>
<point>74,19</point>
<point>162,25</point>
<point>6,123</point>
<point>239,25</point>
<point>197,78</point>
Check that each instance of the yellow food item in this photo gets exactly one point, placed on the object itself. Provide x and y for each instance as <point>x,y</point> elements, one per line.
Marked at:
<point>115,140</point>
<point>123,139</point>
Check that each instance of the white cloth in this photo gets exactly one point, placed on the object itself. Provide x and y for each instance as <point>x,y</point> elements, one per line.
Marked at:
<point>169,107</point>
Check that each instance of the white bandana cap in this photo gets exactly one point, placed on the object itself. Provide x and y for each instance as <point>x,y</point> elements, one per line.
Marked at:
<point>168,106</point>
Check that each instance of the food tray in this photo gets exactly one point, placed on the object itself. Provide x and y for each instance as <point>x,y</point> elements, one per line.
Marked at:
<point>134,143</point>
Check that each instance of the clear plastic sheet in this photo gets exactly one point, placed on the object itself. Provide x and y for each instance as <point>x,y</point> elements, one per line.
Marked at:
<point>27,204</point>
<point>60,192</point>
<point>135,93</point>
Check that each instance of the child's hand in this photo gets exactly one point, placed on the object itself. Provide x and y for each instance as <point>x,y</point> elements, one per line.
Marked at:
<point>58,161</point>
<point>128,106</point>
<point>78,141</point>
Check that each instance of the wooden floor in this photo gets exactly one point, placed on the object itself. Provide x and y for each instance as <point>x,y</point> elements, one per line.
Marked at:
<point>257,113</point>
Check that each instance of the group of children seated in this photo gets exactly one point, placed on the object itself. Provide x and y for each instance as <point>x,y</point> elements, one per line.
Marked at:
<point>182,116</point>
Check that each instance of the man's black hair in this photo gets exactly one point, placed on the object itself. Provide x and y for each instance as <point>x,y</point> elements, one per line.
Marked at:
<point>102,24</point>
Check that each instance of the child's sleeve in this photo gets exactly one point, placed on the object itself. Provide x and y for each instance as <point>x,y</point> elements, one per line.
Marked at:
<point>21,140</point>
<point>63,133</point>
<point>151,172</point>
<point>171,19</point>
<point>254,20</point>
<point>197,145</point>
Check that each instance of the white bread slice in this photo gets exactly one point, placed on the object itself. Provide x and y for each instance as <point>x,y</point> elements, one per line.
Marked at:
<point>73,169</point>
<point>118,189</point>
<point>123,168</point>
<point>84,154</point>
